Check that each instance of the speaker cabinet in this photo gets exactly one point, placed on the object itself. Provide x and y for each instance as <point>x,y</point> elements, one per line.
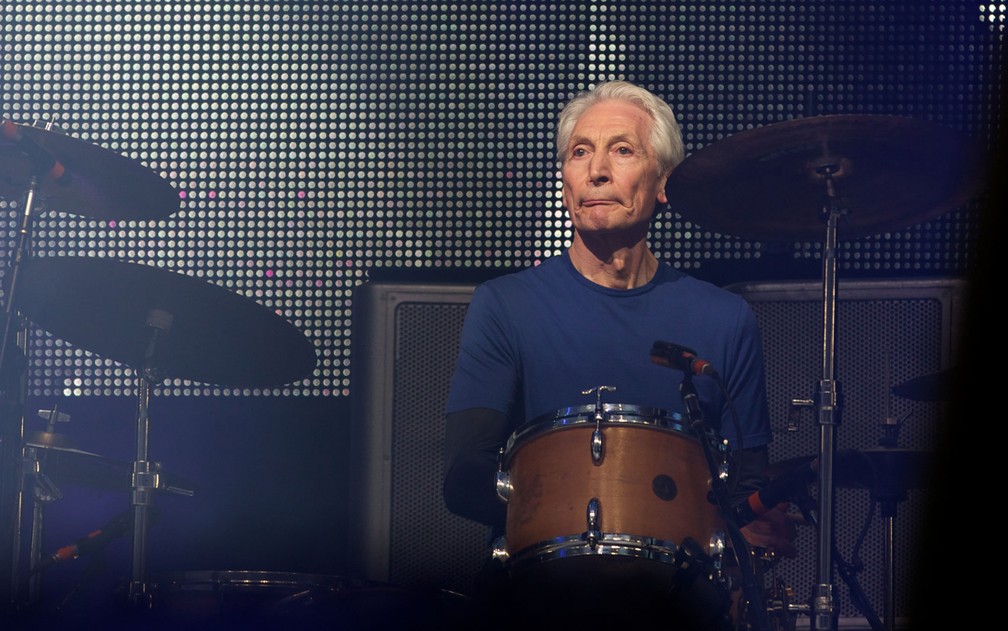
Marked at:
<point>887,332</point>
<point>404,341</point>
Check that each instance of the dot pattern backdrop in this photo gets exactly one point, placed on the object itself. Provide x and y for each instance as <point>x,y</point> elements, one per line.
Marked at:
<point>315,145</point>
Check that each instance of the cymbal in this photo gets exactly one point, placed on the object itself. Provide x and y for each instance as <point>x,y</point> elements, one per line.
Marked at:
<point>84,469</point>
<point>68,465</point>
<point>49,439</point>
<point>766,183</point>
<point>214,336</point>
<point>933,387</point>
<point>89,180</point>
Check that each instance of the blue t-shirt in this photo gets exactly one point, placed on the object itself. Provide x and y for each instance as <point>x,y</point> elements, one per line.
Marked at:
<point>534,340</point>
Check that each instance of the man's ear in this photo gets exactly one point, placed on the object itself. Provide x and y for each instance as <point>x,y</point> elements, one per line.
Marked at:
<point>661,195</point>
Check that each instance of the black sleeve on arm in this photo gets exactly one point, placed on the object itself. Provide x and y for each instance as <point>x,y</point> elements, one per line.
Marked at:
<point>751,465</point>
<point>473,439</point>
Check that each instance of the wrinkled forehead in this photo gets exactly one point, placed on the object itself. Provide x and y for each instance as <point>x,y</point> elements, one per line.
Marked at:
<point>612,119</point>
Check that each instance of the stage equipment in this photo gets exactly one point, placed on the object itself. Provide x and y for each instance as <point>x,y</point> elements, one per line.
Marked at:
<point>643,527</point>
<point>51,172</point>
<point>76,177</point>
<point>778,182</point>
<point>168,324</point>
<point>851,176</point>
<point>163,325</point>
<point>405,338</point>
<point>60,465</point>
<point>159,323</point>
<point>230,599</point>
<point>936,386</point>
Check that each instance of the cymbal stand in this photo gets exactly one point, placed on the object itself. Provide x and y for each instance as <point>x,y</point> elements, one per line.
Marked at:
<point>822,604</point>
<point>12,429</point>
<point>889,492</point>
<point>45,492</point>
<point>809,509</point>
<point>888,498</point>
<point>145,473</point>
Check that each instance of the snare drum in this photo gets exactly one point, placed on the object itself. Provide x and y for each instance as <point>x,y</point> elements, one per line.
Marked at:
<point>263,600</point>
<point>614,498</point>
<point>232,596</point>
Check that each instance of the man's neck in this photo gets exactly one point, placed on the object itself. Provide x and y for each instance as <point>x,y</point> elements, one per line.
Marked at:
<point>619,268</point>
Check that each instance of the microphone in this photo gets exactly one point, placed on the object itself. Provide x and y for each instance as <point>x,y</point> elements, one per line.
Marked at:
<point>675,356</point>
<point>43,161</point>
<point>92,542</point>
<point>781,489</point>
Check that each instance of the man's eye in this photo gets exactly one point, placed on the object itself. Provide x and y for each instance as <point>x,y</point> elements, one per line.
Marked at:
<point>624,151</point>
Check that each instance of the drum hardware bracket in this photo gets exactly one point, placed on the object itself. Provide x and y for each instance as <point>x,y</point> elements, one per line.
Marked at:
<point>177,490</point>
<point>795,410</point>
<point>594,533</point>
<point>690,560</point>
<point>499,551</point>
<point>597,439</point>
<point>54,416</point>
<point>725,466</point>
<point>890,430</point>
<point>828,401</point>
<point>717,545</point>
<point>833,205</point>
<point>597,444</point>
<point>502,481</point>
<point>45,489</point>
<point>146,478</point>
<point>159,323</point>
<point>688,557</point>
<point>780,602</point>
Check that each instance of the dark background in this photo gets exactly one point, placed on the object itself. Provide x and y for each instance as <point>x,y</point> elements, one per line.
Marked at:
<point>317,146</point>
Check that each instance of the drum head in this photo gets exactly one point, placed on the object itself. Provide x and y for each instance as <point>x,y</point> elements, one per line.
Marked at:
<point>585,415</point>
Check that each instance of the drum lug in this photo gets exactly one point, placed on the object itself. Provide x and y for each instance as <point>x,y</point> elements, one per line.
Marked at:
<point>717,545</point>
<point>503,485</point>
<point>690,557</point>
<point>597,448</point>
<point>500,552</point>
<point>502,481</point>
<point>594,533</point>
<point>725,466</point>
<point>596,445</point>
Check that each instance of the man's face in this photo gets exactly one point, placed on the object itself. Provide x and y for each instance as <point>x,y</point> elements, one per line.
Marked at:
<point>610,176</point>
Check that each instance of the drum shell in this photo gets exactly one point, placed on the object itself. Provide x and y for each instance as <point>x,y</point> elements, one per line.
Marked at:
<point>652,481</point>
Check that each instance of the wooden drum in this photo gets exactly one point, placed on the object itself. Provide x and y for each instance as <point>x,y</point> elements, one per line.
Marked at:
<point>612,497</point>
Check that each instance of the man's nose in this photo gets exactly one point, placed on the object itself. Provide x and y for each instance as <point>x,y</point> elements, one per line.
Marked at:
<point>598,168</point>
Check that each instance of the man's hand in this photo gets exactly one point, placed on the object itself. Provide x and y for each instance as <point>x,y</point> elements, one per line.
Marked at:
<point>775,531</point>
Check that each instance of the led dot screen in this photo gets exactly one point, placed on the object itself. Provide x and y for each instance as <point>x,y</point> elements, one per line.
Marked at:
<point>316,144</point>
